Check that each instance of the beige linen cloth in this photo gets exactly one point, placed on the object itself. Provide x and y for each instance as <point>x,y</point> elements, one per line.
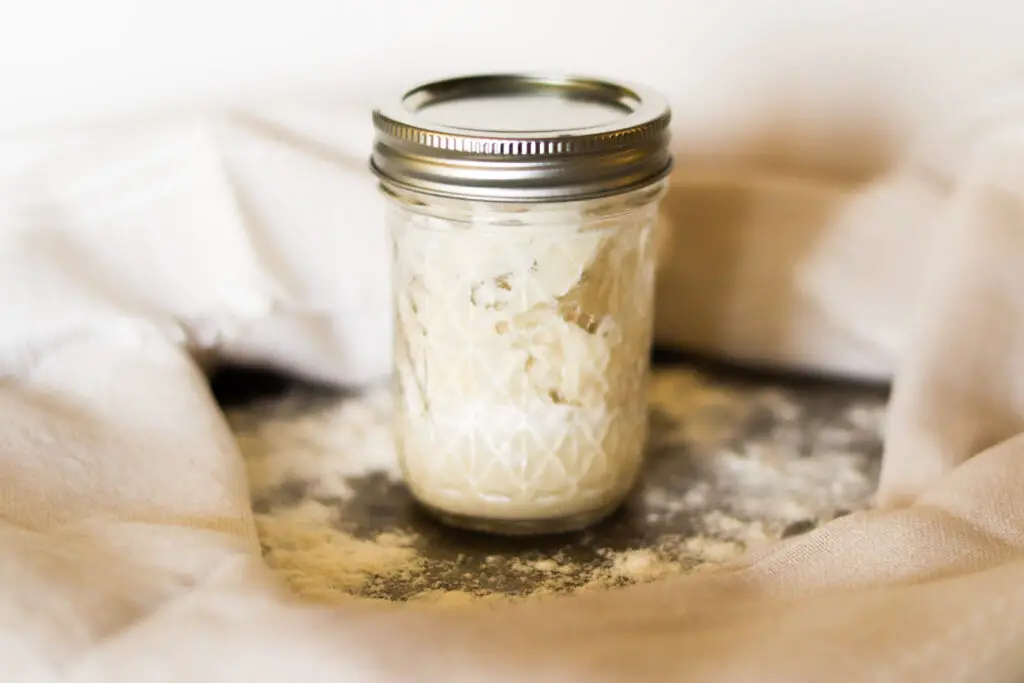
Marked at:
<point>127,547</point>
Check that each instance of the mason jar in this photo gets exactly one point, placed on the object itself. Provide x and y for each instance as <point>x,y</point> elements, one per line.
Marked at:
<point>523,213</point>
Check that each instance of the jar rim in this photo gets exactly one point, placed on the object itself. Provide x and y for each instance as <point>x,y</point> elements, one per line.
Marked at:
<point>523,137</point>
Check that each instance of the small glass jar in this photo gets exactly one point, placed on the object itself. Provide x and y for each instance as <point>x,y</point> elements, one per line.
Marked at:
<point>523,212</point>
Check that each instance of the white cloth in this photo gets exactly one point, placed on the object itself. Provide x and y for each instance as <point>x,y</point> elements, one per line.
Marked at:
<point>130,251</point>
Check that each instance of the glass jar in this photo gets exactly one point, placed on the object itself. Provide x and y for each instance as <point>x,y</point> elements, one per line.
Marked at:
<point>523,274</point>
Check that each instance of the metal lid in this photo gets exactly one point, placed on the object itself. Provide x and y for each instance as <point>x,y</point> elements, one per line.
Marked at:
<point>523,138</point>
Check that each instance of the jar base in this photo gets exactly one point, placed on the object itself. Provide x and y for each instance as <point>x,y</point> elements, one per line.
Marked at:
<point>523,527</point>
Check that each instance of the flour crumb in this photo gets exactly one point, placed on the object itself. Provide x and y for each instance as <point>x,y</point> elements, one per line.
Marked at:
<point>643,565</point>
<point>709,550</point>
<point>546,565</point>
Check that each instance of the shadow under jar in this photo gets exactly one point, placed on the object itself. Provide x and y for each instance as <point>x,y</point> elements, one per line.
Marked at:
<point>522,212</point>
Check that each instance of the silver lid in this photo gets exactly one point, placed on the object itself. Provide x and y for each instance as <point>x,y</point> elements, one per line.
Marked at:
<point>523,138</point>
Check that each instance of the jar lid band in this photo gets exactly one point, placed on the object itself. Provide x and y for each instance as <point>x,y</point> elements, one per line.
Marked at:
<point>523,138</point>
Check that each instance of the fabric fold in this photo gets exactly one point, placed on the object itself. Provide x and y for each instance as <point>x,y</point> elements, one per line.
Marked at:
<point>128,552</point>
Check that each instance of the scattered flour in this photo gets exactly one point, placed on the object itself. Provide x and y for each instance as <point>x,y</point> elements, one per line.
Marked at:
<point>322,445</point>
<point>741,493</point>
<point>325,565</point>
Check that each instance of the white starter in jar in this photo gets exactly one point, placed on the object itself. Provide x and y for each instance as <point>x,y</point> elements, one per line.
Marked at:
<point>523,212</point>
